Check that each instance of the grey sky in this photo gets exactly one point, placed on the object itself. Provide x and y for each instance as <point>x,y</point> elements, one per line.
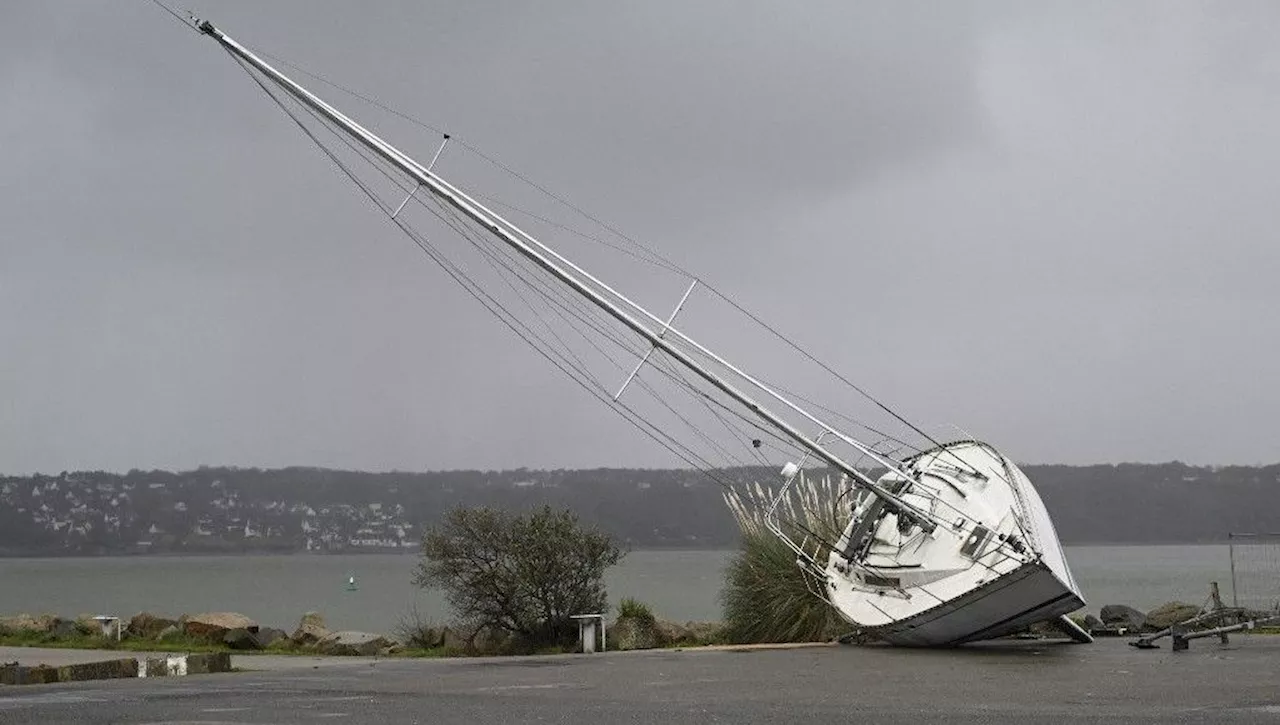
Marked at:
<point>1055,222</point>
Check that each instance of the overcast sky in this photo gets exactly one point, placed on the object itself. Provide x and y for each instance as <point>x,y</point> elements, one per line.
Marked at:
<point>1055,222</point>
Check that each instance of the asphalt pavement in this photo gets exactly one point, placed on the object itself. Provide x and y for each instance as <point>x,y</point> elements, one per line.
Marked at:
<point>1011,682</point>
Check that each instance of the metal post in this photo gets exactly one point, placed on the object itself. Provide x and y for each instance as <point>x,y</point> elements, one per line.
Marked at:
<point>1235,589</point>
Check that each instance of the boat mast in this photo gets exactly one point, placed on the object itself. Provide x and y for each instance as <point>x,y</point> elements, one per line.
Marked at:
<point>500,228</point>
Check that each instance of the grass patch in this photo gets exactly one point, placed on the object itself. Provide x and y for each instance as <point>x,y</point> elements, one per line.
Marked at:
<point>44,639</point>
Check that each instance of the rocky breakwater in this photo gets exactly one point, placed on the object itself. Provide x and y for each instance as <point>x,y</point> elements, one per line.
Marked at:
<point>206,630</point>
<point>631,633</point>
<point>1121,619</point>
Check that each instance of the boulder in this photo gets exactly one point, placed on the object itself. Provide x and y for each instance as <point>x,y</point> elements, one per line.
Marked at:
<point>145,625</point>
<point>270,635</point>
<point>64,628</point>
<point>213,626</point>
<point>1169,614</point>
<point>353,644</point>
<point>240,638</point>
<point>630,633</point>
<point>311,629</point>
<point>1091,623</point>
<point>21,623</point>
<point>1120,615</point>
<point>704,632</point>
<point>689,633</point>
<point>672,633</point>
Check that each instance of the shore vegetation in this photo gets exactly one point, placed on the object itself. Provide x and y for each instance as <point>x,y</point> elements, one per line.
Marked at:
<point>515,580</point>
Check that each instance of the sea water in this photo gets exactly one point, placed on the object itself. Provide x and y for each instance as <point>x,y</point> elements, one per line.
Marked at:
<point>677,585</point>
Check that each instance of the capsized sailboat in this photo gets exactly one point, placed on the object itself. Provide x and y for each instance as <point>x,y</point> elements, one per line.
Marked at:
<point>939,543</point>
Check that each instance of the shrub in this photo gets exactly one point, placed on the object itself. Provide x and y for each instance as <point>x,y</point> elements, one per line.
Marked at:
<point>519,577</point>
<point>630,608</point>
<point>767,596</point>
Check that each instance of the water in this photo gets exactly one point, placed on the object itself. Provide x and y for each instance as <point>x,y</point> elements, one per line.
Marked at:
<point>678,585</point>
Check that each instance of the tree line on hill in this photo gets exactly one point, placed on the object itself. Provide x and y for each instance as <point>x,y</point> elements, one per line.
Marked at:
<point>288,509</point>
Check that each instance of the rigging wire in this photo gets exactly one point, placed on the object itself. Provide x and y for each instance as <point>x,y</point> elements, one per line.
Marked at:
<point>658,258</point>
<point>655,257</point>
<point>177,16</point>
<point>577,373</point>
<point>497,309</point>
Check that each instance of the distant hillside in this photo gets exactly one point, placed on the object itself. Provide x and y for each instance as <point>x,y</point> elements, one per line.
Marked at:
<point>312,509</point>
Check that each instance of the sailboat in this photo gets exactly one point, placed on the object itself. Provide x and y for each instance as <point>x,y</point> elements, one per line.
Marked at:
<point>939,543</point>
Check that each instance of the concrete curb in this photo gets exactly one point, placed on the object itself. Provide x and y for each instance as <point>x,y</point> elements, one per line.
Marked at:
<point>182,665</point>
<point>174,666</point>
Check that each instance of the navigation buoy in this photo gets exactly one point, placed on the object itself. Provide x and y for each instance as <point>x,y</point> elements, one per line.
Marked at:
<point>351,584</point>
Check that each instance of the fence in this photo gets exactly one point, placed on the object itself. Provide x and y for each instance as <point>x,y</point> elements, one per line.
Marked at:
<point>1255,571</point>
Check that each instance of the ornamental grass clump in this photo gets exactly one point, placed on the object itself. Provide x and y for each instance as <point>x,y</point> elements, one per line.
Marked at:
<point>767,596</point>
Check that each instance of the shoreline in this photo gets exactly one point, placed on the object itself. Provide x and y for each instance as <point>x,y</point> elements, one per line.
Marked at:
<point>415,552</point>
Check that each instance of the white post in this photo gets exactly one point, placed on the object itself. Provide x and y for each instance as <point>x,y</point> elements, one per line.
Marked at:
<point>587,631</point>
<point>588,636</point>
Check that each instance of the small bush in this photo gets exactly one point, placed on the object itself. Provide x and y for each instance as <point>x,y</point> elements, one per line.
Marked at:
<point>630,608</point>
<point>418,632</point>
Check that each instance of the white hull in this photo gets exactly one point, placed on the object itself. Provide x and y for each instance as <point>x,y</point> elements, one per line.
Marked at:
<point>994,569</point>
<point>1030,594</point>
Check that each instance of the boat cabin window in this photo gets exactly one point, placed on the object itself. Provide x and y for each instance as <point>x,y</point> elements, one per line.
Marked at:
<point>882,581</point>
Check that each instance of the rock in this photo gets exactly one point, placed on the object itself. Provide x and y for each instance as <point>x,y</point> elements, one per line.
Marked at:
<point>1169,614</point>
<point>169,634</point>
<point>672,633</point>
<point>145,625</point>
<point>629,633</point>
<point>241,639</point>
<point>703,632</point>
<point>1120,615</point>
<point>21,623</point>
<point>350,643</point>
<point>1091,623</point>
<point>311,629</point>
<point>64,628</point>
<point>270,635</point>
<point>213,626</point>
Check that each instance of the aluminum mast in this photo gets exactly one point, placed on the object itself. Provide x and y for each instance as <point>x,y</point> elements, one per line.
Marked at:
<point>498,227</point>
